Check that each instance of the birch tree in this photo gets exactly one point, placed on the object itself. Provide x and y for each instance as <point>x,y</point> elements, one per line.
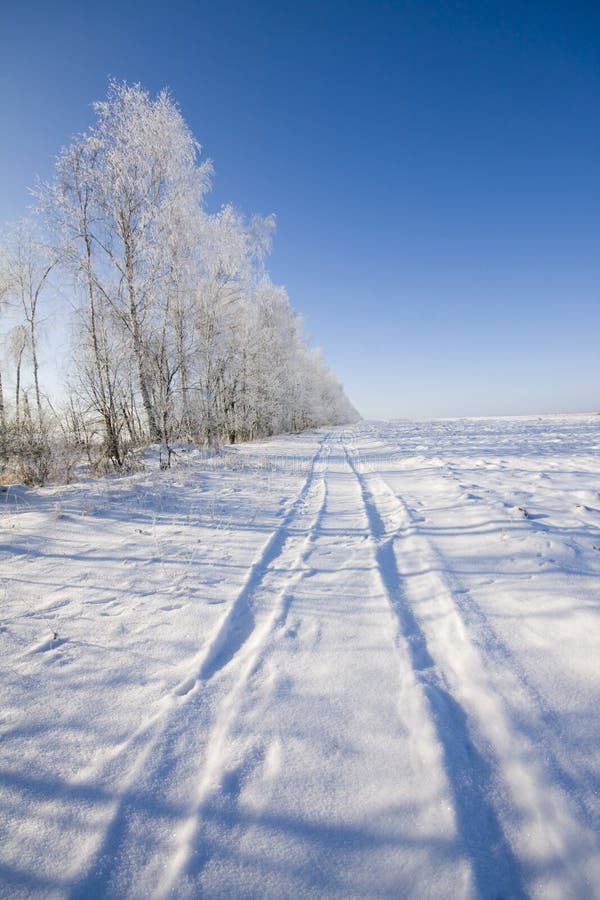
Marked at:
<point>148,172</point>
<point>28,263</point>
<point>4,288</point>
<point>121,192</point>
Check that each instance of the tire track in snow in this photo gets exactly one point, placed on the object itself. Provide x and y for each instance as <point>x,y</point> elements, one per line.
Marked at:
<point>505,803</point>
<point>545,721</point>
<point>217,771</point>
<point>148,750</point>
<point>287,835</point>
<point>238,623</point>
<point>472,612</point>
<point>494,866</point>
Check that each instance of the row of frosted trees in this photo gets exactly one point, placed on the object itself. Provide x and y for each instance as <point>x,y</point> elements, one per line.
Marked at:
<point>178,331</point>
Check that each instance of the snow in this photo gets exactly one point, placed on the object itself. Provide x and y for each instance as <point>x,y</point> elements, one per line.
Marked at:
<point>352,663</point>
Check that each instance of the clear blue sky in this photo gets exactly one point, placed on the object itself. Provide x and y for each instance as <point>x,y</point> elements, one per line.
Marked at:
<point>434,168</point>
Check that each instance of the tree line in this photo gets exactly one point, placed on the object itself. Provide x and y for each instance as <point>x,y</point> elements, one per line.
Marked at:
<point>178,331</point>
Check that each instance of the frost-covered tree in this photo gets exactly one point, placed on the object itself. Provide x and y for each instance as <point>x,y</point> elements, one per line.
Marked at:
<point>148,178</point>
<point>4,290</point>
<point>232,263</point>
<point>17,345</point>
<point>124,191</point>
<point>27,263</point>
<point>70,207</point>
<point>180,332</point>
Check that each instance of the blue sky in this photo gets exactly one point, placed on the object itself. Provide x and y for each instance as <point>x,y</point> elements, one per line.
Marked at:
<point>434,168</point>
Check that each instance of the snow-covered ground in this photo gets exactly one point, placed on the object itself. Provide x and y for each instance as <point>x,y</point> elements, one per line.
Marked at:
<point>358,663</point>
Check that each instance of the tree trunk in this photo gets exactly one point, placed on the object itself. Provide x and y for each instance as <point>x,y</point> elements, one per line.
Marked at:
<point>138,351</point>
<point>18,394</point>
<point>36,381</point>
<point>104,391</point>
<point>2,410</point>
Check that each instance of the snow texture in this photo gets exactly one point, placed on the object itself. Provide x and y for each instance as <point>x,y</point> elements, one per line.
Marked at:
<point>360,663</point>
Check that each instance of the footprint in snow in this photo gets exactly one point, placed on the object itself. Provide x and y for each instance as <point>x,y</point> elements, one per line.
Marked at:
<point>51,643</point>
<point>272,761</point>
<point>101,601</point>
<point>185,687</point>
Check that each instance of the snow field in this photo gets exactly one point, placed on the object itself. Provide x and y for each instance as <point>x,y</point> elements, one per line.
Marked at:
<point>358,663</point>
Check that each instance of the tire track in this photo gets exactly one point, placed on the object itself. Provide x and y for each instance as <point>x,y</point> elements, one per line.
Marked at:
<point>189,857</point>
<point>535,713</point>
<point>239,621</point>
<point>472,612</point>
<point>520,831</point>
<point>254,820</point>
<point>493,864</point>
<point>155,749</point>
